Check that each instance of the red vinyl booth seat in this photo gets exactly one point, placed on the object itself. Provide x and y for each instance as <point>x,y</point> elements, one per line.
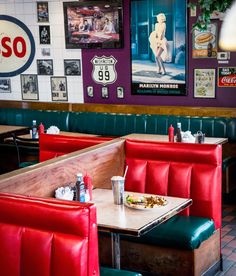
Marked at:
<point>54,145</point>
<point>47,237</point>
<point>178,169</point>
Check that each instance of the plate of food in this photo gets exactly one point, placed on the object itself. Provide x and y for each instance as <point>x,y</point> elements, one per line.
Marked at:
<point>203,39</point>
<point>144,202</point>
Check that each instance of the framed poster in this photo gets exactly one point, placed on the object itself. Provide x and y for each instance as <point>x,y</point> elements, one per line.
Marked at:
<point>158,47</point>
<point>120,92</point>
<point>29,87</point>
<point>44,34</point>
<point>205,42</point>
<point>42,12</point>
<point>227,76</point>
<point>44,66</point>
<point>105,92</point>
<point>72,67</point>
<point>204,83</point>
<point>5,85</point>
<point>59,89</point>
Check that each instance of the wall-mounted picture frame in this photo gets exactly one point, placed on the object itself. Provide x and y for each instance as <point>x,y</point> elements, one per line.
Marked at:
<point>120,92</point>
<point>42,12</point>
<point>46,52</point>
<point>72,67</point>
<point>44,34</point>
<point>59,89</point>
<point>45,66</point>
<point>29,87</point>
<point>204,83</point>
<point>158,47</point>
<point>5,85</point>
<point>90,91</point>
<point>205,42</point>
<point>105,92</point>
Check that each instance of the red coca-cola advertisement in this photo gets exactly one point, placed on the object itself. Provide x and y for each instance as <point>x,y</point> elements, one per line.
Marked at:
<point>227,77</point>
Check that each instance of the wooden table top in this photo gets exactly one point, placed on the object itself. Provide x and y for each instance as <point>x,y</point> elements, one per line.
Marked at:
<point>164,138</point>
<point>125,220</point>
<point>7,130</point>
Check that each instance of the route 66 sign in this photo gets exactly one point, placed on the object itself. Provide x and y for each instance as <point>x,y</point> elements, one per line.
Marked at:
<point>104,71</point>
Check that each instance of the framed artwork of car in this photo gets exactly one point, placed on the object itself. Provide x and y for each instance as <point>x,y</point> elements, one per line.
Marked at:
<point>42,12</point>
<point>45,66</point>
<point>5,85</point>
<point>72,67</point>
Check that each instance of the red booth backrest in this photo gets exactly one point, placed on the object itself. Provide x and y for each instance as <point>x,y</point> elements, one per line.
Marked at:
<point>53,145</point>
<point>47,237</point>
<point>178,169</point>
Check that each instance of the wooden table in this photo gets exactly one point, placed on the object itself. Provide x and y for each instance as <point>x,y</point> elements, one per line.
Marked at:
<point>120,219</point>
<point>164,138</point>
<point>6,130</point>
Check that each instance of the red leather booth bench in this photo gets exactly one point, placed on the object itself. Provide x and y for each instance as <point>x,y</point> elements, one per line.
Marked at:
<point>187,244</point>
<point>53,145</point>
<point>48,237</point>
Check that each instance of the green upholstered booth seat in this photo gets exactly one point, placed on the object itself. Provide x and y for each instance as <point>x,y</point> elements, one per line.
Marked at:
<point>106,271</point>
<point>228,161</point>
<point>179,232</point>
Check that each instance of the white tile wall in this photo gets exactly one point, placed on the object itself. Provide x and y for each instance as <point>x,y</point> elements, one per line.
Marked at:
<point>26,11</point>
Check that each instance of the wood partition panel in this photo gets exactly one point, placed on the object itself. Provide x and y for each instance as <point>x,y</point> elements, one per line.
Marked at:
<point>132,109</point>
<point>101,162</point>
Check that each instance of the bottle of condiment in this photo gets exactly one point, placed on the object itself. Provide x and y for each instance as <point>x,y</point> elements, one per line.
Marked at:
<point>88,187</point>
<point>171,133</point>
<point>41,128</point>
<point>178,133</point>
<point>34,130</point>
<point>80,188</point>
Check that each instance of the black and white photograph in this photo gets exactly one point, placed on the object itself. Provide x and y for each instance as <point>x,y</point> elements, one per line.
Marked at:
<point>105,93</point>
<point>46,52</point>
<point>120,92</point>
<point>5,85</point>
<point>29,87</point>
<point>90,91</point>
<point>45,66</point>
<point>158,47</point>
<point>72,67</point>
<point>42,12</point>
<point>44,35</point>
<point>59,89</point>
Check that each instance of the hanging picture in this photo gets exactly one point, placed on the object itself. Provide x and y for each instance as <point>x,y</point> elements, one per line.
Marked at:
<point>227,76</point>
<point>44,35</point>
<point>205,42</point>
<point>72,67</point>
<point>204,83</point>
<point>29,87</point>
<point>5,85</point>
<point>42,11</point>
<point>45,66</point>
<point>59,89</point>
<point>158,47</point>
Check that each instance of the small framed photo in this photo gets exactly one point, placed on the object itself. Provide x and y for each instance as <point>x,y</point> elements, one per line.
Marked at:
<point>44,66</point>
<point>90,91</point>
<point>5,85</point>
<point>120,92</point>
<point>29,87</point>
<point>44,34</point>
<point>72,67</point>
<point>42,12</point>
<point>105,93</point>
<point>204,83</point>
<point>46,52</point>
<point>59,89</point>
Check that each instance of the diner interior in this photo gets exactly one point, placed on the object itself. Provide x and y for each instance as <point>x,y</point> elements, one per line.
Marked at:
<point>117,138</point>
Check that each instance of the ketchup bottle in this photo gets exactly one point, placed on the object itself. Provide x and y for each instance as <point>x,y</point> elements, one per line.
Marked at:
<point>41,128</point>
<point>171,133</point>
<point>88,185</point>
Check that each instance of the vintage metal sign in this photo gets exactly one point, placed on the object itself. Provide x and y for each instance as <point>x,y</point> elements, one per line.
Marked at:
<point>227,76</point>
<point>104,71</point>
<point>17,47</point>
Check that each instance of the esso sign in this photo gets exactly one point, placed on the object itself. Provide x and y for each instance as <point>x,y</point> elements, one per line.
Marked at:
<point>17,47</point>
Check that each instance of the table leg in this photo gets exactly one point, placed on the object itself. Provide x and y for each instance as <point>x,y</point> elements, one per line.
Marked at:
<point>115,244</point>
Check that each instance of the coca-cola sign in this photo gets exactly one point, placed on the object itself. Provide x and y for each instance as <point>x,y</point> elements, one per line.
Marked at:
<point>227,77</point>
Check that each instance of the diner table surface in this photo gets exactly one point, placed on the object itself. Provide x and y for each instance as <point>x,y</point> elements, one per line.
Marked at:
<point>164,138</point>
<point>121,219</point>
<point>7,130</point>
